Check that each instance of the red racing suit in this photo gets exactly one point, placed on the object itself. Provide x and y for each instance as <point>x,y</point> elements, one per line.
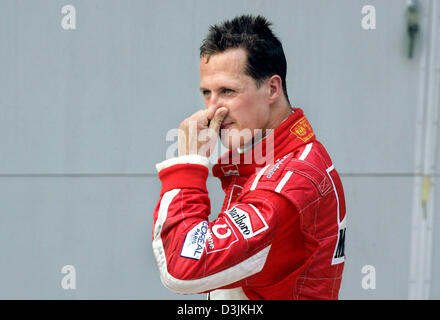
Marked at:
<point>280,233</point>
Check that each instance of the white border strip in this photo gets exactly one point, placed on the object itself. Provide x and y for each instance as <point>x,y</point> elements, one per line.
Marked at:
<point>426,131</point>
<point>246,268</point>
<point>266,226</point>
<point>158,249</point>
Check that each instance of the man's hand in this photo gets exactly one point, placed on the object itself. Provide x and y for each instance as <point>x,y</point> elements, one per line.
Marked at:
<point>198,134</point>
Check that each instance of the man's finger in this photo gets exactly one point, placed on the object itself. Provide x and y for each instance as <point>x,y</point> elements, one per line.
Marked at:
<point>205,119</point>
<point>210,113</point>
<point>218,118</point>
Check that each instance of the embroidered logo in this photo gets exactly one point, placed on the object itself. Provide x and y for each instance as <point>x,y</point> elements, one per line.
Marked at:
<point>195,239</point>
<point>249,223</point>
<point>277,164</point>
<point>302,129</point>
<point>230,170</point>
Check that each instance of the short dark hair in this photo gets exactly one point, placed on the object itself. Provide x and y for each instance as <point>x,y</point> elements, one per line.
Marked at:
<point>265,54</point>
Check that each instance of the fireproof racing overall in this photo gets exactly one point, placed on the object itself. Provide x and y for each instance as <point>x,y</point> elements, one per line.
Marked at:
<point>280,233</point>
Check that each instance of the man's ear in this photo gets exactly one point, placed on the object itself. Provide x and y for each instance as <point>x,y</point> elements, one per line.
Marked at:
<point>275,88</point>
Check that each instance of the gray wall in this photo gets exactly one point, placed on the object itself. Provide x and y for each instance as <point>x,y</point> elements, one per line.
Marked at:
<point>84,115</point>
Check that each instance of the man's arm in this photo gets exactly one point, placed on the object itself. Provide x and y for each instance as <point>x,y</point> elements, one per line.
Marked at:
<point>195,255</point>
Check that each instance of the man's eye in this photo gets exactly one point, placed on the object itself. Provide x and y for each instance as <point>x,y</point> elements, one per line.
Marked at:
<point>227,91</point>
<point>205,92</point>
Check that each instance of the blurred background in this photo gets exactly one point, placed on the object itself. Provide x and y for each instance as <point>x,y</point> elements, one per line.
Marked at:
<point>88,93</point>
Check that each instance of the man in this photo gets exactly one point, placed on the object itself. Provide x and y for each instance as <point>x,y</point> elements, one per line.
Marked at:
<point>281,231</point>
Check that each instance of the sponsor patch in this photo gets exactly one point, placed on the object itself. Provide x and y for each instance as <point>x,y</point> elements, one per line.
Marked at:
<point>221,237</point>
<point>230,170</point>
<point>339,255</point>
<point>302,129</point>
<point>249,223</point>
<point>221,231</point>
<point>277,164</point>
<point>194,243</point>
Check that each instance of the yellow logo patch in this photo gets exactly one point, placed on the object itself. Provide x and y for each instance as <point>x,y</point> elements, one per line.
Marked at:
<point>302,129</point>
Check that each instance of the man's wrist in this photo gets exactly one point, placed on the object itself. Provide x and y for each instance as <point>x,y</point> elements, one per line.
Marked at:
<point>187,159</point>
<point>190,171</point>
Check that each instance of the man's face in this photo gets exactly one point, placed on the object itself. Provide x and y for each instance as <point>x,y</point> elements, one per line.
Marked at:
<point>224,83</point>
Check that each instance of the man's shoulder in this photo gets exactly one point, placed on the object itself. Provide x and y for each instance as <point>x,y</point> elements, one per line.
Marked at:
<point>302,171</point>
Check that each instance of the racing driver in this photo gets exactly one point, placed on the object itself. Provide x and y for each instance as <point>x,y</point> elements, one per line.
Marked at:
<point>281,230</point>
